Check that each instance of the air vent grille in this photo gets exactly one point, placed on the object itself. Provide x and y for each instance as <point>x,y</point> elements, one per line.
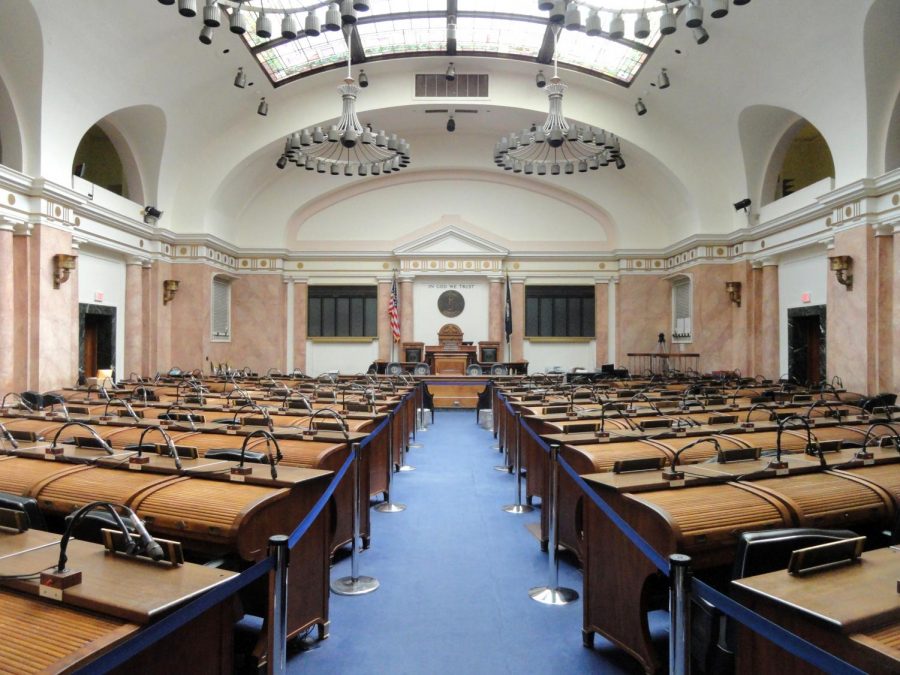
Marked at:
<point>464,86</point>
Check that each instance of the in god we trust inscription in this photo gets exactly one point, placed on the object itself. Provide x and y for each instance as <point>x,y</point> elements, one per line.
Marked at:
<point>451,303</point>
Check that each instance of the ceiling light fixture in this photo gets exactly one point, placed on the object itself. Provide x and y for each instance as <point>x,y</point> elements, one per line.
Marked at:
<point>701,37</point>
<point>540,80</point>
<point>662,81</point>
<point>451,73</point>
<point>240,79</point>
<point>347,148</point>
<point>557,145</point>
<point>451,124</point>
<point>263,108</point>
<point>640,108</point>
<point>363,79</point>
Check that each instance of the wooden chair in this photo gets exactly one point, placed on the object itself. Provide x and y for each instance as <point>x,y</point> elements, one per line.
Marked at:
<point>488,352</point>
<point>413,352</point>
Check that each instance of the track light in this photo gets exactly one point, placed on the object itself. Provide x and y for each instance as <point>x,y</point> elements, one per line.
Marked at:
<point>701,37</point>
<point>451,73</point>
<point>167,2</point>
<point>451,124</point>
<point>187,8</point>
<point>263,26</point>
<point>363,79</point>
<point>718,8</point>
<point>741,2</point>
<point>640,108</point>
<point>545,5</point>
<point>743,204</point>
<point>572,20</point>
<point>693,14</point>
<point>361,5</point>
<point>558,12</point>
<point>662,82</point>
<point>332,18</point>
<point>263,108</point>
<point>594,25</point>
<point>617,28</point>
<point>152,212</point>
<point>620,163</point>
<point>290,27</point>
<point>238,22</point>
<point>667,22</point>
<point>240,80</point>
<point>348,13</point>
<point>540,80</point>
<point>206,35</point>
<point>642,27</point>
<point>282,162</point>
<point>211,14</point>
<point>312,24</point>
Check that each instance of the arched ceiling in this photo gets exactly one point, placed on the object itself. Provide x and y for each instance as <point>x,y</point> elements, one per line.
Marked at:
<point>686,156</point>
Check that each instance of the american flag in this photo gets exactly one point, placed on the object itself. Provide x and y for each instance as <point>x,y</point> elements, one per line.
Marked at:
<point>393,312</point>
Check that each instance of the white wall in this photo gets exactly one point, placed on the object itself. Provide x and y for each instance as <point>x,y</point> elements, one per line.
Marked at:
<point>99,273</point>
<point>799,273</point>
<point>347,357</point>
<point>544,355</point>
<point>427,320</point>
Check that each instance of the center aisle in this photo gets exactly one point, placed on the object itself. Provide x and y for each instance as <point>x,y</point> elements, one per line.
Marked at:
<point>455,572</point>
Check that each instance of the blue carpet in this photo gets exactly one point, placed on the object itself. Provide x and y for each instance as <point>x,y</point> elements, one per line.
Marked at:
<point>455,571</point>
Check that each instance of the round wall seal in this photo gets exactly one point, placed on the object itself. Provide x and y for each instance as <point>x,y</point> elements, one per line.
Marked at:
<point>451,303</point>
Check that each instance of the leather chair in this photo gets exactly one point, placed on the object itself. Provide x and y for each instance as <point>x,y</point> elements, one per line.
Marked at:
<point>27,505</point>
<point>89,529</point>
<point>421,369</point>
<point>712,633</point>
<point>499,369</point>
<point>473,369</point>
<point>484,401</point>
<point>394,368</point>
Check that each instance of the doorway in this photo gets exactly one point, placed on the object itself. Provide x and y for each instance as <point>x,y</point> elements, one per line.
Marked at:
<point>97,338</point>
<point>806,344</point>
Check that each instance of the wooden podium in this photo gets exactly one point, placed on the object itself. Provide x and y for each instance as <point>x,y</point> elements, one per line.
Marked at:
<point>451,356</point>
<point>450,363</point>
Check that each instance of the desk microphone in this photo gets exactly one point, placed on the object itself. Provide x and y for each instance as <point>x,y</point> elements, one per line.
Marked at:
<point>148,544</point>
<point>8,436</point>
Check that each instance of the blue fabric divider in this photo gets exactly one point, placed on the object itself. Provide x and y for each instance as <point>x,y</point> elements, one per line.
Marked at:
<point>658,560</point>
<point>176,620</point>
<point>788,641</point>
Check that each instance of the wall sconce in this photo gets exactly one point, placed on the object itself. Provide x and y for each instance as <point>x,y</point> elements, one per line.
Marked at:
<point>170,287</point>
<point>842,266</point>
<point>63,264</point>
<point>733,288</point>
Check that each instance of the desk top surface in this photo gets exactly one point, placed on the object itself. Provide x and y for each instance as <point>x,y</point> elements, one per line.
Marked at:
<point>852,598</point>
<point>132,589</point>
<point>13,543</point>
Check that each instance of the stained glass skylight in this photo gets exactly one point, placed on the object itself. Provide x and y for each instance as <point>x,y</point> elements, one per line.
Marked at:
<point>515,28</point>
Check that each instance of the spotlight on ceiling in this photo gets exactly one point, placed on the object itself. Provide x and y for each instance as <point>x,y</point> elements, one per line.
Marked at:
<point>617,27</point>
<point>240,80</point>
<point>594,25</point>
<point>348,12</point>
<point>187,8</point>
<point>662,81</point>
<point>206,35</point>
<point>693,14</point>
<point>741,2</point>
<point>642,26</point>
<point>718,8</point>
<point>545,5</point>
<point>290,27</point>
<point>263,108</point>
<point>167,2</point>
<point>313,24</point>
<point>211,14</point>
<point>667,22</point>
<point>282,162</point>
<point>152,212</point>
<point>558,11</point>
<point>572,17</point>
<point>640,108</point>
<point>332,18</point>
<point>620,163</point>
<point>238,23</point>
<point>451,73</point>
<point>363,79</point>
<point>743,204</point>
<point>263,26</point>
<point>701,37</point>
<point>540,80</point>
<point>451,124</point>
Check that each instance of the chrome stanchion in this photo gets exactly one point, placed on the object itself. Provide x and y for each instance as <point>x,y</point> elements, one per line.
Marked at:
<point>496,424</point>
<point>387,506</point>
<point>277,633</point>
<point>421,421</point>
<point>404,443</point>
<point>355,584</point>
<point>552,593</point>
<point>679,614</point>
<point>415,427</point>
<point>518,507</point>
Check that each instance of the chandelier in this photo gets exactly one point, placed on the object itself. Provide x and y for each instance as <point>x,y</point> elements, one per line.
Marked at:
<point>346,148</point>
<point>557,146</point>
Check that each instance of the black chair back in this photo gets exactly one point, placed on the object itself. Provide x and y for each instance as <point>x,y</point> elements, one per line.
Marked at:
<point>27,505</point>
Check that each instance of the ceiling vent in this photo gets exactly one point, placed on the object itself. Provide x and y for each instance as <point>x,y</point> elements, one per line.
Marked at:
<point>463,86</point>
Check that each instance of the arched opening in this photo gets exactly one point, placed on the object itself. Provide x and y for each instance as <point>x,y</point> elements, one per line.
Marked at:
<point>98,161</point>
<point>892,149</point>
<point>807,160</point>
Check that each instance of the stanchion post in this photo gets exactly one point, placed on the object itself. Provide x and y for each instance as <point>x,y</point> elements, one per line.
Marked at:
<point>355,584</point>
<point>421,421</point>
<point>518,507</point>
<point>552,593</point>
<point>415,421</point>
<point>507,466</point>
<point>277,633</point>
<point>404,438</point>
<point>679,614</point>
<point>387,506</point>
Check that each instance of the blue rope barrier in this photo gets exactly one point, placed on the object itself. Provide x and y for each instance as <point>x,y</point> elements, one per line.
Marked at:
<point>310,517</point>
<point>658,560</point>
<point>788,641</point>
<point>157,631</point>
<point>371,437</point>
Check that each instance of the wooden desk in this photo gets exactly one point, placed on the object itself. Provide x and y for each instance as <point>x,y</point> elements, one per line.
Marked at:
<point>447,363</point>
<point>852,612</point>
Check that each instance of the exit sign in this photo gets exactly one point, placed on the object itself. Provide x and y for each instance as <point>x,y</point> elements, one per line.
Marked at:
<point>805,297</point>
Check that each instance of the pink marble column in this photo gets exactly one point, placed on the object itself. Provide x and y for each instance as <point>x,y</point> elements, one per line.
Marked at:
<point>385,339</point>
<point>517,302</point>
<point>753,299</point>
<point>496,309</point>
<point>406,309</point>
<point>22,307</point>
<point>7,310</point>
<point>301,322</point>
<point>895,347</point>
<point>884,308</point>
<point>769,327</point>
<point>601,322</point>
<point>134,317</point>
